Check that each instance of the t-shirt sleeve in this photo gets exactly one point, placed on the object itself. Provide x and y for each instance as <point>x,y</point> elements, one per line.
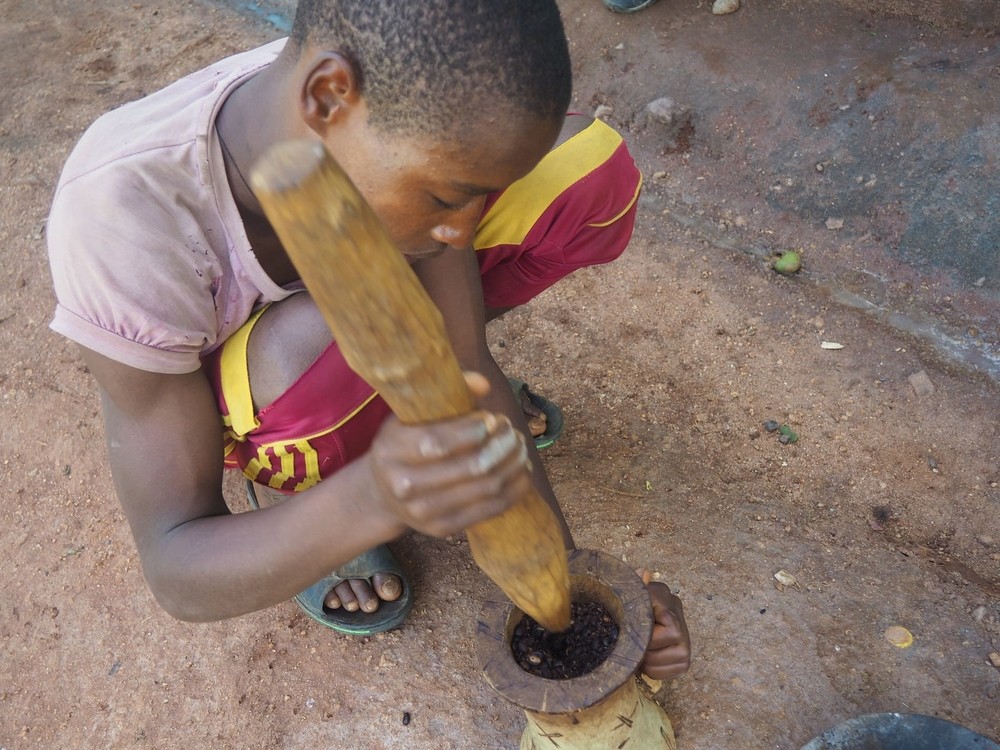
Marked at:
<point>134,277</point>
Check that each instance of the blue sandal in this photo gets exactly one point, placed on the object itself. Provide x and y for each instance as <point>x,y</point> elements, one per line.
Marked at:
<point>379,559</point>
<point>553,414</point>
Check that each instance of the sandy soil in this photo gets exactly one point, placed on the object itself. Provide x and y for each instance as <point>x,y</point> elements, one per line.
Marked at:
<point>886,511</point>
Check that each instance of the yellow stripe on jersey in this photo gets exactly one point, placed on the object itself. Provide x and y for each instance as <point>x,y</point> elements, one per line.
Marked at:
<point>635,197</point>
<point>519,207</point>
<point>280,450</point>
<point>235,377</point>
<point>312,465</point>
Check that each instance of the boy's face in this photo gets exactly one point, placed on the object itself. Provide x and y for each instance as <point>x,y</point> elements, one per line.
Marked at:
<point>429,191</point>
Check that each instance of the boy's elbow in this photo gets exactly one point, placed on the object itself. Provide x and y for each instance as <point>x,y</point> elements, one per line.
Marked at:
<point>177,599</point>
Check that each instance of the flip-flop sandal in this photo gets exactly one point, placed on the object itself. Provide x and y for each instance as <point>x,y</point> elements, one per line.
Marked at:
<point>553,414</point>
<point>379,559</point>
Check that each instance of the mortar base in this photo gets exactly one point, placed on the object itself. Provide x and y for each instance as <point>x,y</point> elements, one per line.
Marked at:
<point>625,719</point>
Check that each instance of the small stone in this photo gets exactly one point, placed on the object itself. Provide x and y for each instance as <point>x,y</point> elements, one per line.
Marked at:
<point>818,323</point>
<point>995,659</point>
<point>921,384</point>
<point>771,425</point>
<point>724,7</point>
<point>979,282</point>
<point>979,613</point>
<point>834,223</point>
<point>820,167</point>
<point>602,111</point>
<point>985,539</point>
<point>668,121</point>
<point>664,110</point>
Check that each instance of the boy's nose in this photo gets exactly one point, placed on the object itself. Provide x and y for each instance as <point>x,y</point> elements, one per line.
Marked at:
<point>460,228</point>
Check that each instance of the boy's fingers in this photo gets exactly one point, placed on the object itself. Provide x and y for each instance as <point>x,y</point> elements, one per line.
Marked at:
<point>664,635</point>
<point>427,443</point>
<point>665,672</point>
<point>477,383</point>
<point>676,657</point>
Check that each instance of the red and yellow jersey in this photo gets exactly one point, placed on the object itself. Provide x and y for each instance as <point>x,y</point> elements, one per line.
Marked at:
<point>575,209</point>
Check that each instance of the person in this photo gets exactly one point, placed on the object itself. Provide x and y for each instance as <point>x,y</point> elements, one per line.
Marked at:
<point>450,118</point>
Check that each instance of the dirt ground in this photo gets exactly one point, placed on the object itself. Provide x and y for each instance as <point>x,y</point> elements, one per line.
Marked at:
<point>666,363</point>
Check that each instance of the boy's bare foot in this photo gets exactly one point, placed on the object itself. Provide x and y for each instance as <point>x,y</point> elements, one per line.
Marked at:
<point>354,593</point>
<point>359,593</point>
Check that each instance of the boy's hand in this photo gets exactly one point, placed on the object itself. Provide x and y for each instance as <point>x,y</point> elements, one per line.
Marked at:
<point>669,651</point>
<point>443,477</point>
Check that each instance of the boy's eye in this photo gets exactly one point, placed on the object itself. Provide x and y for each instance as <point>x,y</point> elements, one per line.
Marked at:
<point>445,204</point>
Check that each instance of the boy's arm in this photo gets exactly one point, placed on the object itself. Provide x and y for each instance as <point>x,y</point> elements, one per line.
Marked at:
<point>453,282</point>
<point>203,563</point>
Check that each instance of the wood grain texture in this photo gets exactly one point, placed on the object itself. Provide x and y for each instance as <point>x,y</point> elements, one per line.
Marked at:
<point>391,334</point>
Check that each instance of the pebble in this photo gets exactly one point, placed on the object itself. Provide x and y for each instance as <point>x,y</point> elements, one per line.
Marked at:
<point>603,110</point>
<point>723,7</point>
<point>921,384</point>
<point>979,613</point>
<point>995,659</point>
<point>986,540</point>
<point>666,111</point>
<point>834,223</point>
<point>771,425</point>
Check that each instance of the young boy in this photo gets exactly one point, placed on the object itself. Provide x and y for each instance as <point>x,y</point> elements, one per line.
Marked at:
<point>186,306</point>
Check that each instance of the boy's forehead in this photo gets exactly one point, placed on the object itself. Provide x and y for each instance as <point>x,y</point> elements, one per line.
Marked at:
<point>482,141</point>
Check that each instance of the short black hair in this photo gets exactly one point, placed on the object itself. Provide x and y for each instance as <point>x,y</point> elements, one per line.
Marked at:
<point>430,64</point>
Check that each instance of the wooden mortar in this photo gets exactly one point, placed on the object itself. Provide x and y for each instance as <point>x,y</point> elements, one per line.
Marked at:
<point>596,711</point>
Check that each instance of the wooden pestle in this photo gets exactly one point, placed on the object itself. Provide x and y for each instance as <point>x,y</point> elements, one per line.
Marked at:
<point>392,335</point>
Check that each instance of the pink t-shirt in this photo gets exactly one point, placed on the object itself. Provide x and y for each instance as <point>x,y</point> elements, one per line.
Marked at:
<point>149,257</point>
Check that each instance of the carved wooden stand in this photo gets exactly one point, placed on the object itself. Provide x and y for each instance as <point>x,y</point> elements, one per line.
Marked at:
<point>597,711</point>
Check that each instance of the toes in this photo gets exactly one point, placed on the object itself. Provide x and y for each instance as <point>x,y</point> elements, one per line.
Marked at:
<point>388,586</point>
<point>342,595</point>
<point>364,594</point>
<point>357,593</point>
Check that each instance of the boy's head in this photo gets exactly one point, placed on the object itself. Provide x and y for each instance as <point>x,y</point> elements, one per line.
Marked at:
<point>431,104</point>
<point>425,66</point>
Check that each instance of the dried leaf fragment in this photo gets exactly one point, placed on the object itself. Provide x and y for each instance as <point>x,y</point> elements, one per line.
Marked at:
<point>784,579</point>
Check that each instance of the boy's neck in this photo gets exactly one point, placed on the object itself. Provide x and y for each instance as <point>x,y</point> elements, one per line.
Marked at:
<point>252,119</point>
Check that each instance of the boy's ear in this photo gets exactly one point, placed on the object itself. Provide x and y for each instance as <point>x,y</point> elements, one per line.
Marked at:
<point>331,88</point>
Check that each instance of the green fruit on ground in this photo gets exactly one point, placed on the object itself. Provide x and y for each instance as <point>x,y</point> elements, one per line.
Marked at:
<point>788,263</point>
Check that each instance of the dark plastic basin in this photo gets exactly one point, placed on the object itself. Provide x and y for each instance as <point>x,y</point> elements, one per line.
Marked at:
<point>900,732</point>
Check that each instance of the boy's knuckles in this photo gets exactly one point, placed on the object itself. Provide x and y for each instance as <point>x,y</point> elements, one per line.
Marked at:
<point>429,446</point>
<point>402,486</point>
